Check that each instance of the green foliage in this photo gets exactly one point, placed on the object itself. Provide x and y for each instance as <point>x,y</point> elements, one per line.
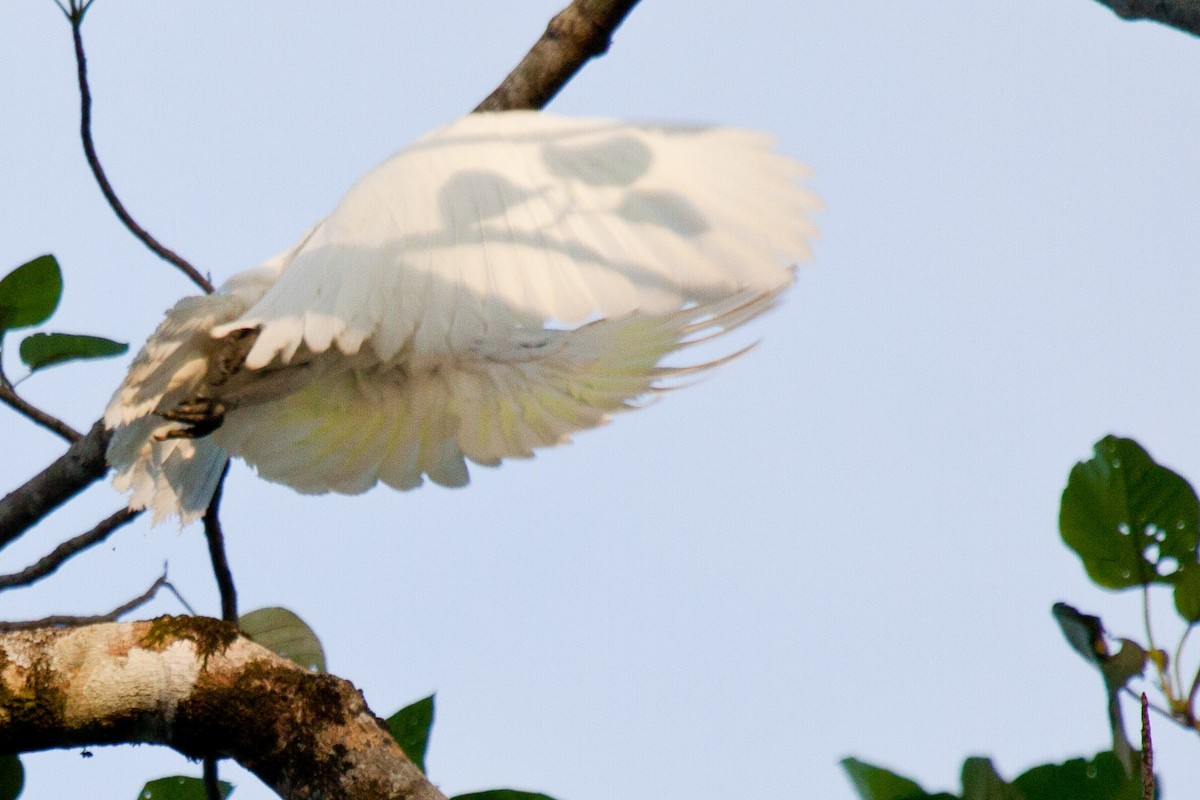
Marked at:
<point>1133,522</point>
<point>284,633</point>
<point>876,783</point>
<point>30,293</point>
<point>1102,778</point>
<point>410,727</point>
<point>981,782</point>
<point>12,777</point>
<point>179,787</point>
<point>43,350</point>
<point>28,296</point>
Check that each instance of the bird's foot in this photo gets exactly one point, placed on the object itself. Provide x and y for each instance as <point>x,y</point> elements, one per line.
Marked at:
<point>200,416</point>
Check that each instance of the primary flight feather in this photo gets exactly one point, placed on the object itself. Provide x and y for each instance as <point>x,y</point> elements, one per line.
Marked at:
<point>494,287</point>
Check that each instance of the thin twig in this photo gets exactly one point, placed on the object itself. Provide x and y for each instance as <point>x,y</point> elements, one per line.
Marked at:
<point>75,16</point>
<point>216,551</point>
<point>59,555</point>
<point>62,621</point>
<point>170,587</point>
<point>1147,753</point>
<point>581,31</point>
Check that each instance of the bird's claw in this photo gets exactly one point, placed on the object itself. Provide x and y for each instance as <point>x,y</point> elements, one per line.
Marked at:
<point>200,417</point>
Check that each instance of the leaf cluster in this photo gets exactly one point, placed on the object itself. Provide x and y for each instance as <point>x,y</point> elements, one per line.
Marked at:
<point>1102,778</point>
<point>29,296</point>
<point>1134,524</point>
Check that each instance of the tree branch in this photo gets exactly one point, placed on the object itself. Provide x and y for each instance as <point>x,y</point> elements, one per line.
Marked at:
<point>70,474</point>
<point>1181,14</point>
<point>59,555</point>
<point>579,32</point>
<point>196,685</point>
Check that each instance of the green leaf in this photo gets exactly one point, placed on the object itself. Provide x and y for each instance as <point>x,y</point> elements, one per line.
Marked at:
<point>12,777</point>
<point>410,728</point>
<point>179,788</point>
<point>1131,521</point>
<point>876,783</point>
<point>1102,778</point>
<point>502,794</point>
<point>980,782</point>
<point>1187,592</point>
<point>30,293</point>
<point>43,350</point>
<point>284,633</point>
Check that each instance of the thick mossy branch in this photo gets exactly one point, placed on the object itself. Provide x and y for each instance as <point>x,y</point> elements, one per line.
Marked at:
<point>196,685</point>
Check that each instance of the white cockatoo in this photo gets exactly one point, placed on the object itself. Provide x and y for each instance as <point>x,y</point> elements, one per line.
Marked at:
<point>492,288</point>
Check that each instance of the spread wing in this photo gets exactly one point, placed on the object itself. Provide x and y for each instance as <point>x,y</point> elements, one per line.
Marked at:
<point>496,286</point>
<point>524,218</point>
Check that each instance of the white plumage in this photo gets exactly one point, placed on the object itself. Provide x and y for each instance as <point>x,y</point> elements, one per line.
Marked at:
<point>499,284</point>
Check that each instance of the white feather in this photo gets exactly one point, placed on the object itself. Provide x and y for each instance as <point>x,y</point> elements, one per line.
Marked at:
<point>494,287</point>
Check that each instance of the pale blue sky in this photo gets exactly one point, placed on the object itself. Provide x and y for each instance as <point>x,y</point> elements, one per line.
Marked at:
<point>845,543</point>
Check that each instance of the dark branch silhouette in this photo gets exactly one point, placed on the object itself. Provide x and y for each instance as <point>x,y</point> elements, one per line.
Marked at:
<point>1183,15</point>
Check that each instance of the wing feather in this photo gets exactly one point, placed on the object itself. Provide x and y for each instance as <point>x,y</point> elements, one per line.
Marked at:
<point>527,216</point>
<point>503,401</point>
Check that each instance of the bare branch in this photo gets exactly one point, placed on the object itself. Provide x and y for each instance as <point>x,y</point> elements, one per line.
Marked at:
<point>1181,14</point>
<point>72,472</point>
<point>195,685</point>
<point>59,555</point>
<point>579,32</point>
<point>216,551</point>
<point>63,621</point>
<point>89,149</point>
<point>9,396</point>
